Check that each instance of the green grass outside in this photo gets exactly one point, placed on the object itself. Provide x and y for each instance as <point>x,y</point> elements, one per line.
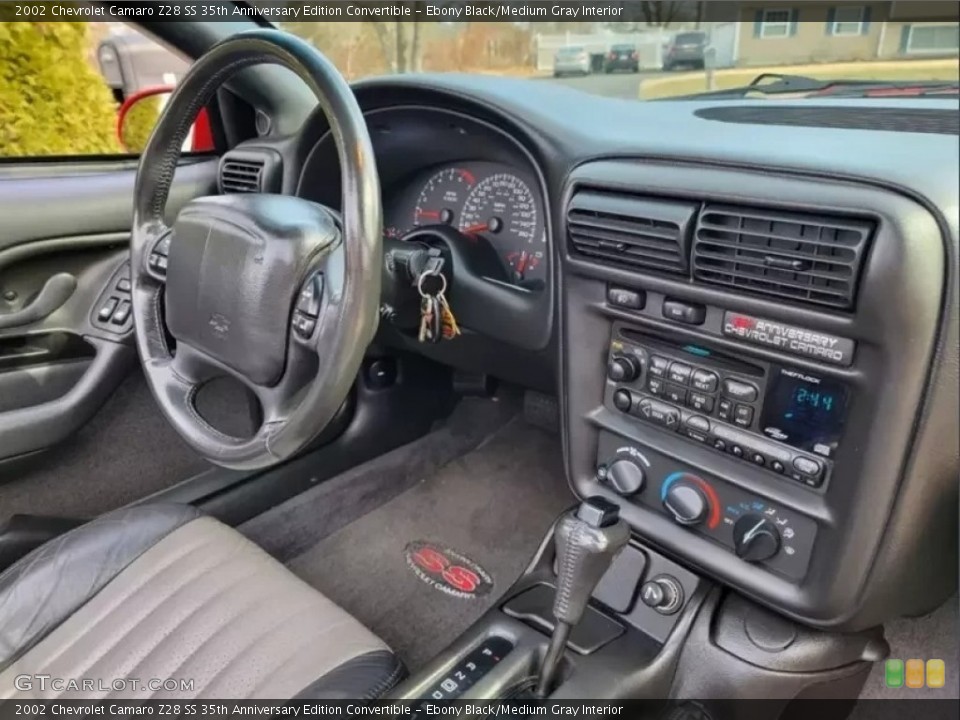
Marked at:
<point>695,82</point>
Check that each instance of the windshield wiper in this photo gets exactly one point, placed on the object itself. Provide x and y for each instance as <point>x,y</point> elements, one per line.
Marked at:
<point>779,84</point>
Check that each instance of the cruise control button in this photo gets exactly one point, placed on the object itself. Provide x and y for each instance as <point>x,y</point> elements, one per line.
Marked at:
<point>744,392</point>
<point>743,415</point>
<point>122,313</point>
<point>687,313</point>
<point>679,373</point>
<point>704,381</point>
<point>309,300</point>
<point>106,310</point>
<point>658,366</point>
<point>700,402</point>
<point>303,325</point>
<point>807,466</point>
<point>632,299</point>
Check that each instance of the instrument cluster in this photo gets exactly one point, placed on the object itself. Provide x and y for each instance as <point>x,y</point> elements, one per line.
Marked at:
<point>487,202</point>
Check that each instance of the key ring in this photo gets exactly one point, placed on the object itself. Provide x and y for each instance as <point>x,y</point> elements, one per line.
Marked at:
<point>443,285</point>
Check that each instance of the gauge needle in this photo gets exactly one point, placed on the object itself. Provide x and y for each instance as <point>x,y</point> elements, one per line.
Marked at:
<point>433,214</point>
<point>476,228</point>
<point>522,264</point>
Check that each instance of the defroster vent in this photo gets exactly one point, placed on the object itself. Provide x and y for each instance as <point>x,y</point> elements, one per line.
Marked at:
<point>631,231</point>
<point>809,258</point>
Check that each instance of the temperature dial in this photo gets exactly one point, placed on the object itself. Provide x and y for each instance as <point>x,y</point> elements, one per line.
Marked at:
<point>625,476</point>
<point>686,503</point>
<point>755,538</point>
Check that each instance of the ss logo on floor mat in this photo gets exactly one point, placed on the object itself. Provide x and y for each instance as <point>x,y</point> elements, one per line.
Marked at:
<point>447,570</point>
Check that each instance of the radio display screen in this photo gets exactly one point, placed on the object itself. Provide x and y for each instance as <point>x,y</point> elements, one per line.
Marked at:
<point>805,411</point>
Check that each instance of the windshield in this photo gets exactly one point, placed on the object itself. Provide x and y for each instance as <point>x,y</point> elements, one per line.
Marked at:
<point>674,48</point>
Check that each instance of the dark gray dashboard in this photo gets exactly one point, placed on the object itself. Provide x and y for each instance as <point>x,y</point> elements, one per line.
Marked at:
<point>890,497</point>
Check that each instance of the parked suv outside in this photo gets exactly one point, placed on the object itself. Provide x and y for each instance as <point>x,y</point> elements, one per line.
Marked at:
<point>685,50</point>
<point>622,57</point>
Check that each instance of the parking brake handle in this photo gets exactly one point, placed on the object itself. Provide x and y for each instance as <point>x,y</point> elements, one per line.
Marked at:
<point>586,544</point>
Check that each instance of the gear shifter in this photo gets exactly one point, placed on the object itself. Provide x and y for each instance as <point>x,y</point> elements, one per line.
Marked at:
<point>586,545</point>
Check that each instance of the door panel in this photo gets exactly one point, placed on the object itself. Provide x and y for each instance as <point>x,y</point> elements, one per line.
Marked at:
<point>63,253</point>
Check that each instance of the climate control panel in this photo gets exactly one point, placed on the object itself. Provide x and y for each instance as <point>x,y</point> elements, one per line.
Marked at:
<point>751,527</point>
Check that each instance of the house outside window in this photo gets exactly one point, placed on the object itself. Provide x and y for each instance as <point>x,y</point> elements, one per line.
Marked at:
<point>775,23</point>
<point>932,39</point>
<point>848,20</point>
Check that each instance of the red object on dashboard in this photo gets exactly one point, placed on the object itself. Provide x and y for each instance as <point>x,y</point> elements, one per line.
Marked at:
<point>202,140</point>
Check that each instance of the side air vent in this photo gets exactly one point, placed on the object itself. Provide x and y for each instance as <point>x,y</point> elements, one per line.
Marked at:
<point>241,176</point>
<point>251,170</point>
<point>631,231</point>
<point>795,256</point>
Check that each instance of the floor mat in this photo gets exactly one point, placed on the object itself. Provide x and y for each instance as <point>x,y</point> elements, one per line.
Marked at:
<point>490,507</point>
<point>298,524</point>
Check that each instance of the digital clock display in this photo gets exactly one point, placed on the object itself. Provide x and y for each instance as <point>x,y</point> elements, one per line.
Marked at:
<point>805,411</point>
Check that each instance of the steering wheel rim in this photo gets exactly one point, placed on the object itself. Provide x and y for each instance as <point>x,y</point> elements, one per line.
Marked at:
<point>345,250</point>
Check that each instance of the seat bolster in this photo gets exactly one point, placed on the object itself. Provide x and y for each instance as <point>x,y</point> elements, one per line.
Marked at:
<point>365,677</point>
<point>45,587</point>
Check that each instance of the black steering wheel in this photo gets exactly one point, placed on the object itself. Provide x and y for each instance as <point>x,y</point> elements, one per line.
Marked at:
<point>276,291</point>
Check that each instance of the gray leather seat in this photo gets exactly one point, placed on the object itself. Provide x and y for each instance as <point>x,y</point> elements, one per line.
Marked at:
<point>164,592</point>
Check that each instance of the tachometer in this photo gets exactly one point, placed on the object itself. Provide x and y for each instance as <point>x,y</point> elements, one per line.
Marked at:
<point>502,209</point>
<point>442,197</point>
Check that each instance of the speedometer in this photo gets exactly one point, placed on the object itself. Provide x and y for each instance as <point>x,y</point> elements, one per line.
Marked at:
<point>502,209</point>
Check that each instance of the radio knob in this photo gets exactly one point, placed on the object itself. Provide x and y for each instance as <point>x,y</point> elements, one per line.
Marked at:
<point>755,538</point>
<point>686,503</point>
<point>625,476</point>
<point>622,400</point>
<point>623,368</point>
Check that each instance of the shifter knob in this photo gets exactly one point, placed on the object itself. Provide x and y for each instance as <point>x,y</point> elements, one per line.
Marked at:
<point>586,545</point>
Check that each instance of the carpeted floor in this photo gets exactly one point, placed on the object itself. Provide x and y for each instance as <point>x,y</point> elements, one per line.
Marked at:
<point>493,505</point>
<point>127,452</point>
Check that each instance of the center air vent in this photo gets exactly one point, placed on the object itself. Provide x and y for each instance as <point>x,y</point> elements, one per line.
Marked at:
<point>630,231</point>
<point>241,176</point>
<point>802,257</point>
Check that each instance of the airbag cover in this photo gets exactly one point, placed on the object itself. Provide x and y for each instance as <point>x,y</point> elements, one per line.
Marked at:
<point>235,266</point>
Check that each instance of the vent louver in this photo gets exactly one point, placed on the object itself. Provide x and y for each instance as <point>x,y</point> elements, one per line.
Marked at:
<point>802,257</point>
<point>631,231</point>
<point>241,176</point>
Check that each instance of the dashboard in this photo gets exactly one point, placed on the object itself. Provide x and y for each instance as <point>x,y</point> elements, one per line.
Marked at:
<point>750,326</point>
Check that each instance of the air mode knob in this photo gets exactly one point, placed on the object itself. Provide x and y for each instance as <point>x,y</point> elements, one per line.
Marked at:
<point>623,368</point>
<point>686,503</point>
<point>625,476</point>
<point>755,538</point>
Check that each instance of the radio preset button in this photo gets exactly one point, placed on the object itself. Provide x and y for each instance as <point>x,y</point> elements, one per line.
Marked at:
<point>777,466</point>
<point>676,395</point>
<point>743,415</point>
<point>744,392</point>
<point>720,445</point>
<point>658,366</point>
<point>679,373</point>
<point>807,466</point>
<point>704,381</point>
<point>700,402</point>
<point>758,459</point>
<point>697,422</point>
<point>655,386</point>
<point>736,451</point>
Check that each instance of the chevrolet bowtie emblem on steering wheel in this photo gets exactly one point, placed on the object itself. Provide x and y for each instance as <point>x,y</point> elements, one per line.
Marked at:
<point>220,325</point>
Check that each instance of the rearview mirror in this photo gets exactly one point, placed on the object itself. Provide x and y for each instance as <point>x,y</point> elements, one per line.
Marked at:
<point>139,114</point>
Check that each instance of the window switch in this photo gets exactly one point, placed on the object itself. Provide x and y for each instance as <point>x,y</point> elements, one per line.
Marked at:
<point>122,313</point>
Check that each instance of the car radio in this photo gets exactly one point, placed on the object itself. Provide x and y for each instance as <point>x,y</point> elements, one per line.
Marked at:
<point>785,420</point>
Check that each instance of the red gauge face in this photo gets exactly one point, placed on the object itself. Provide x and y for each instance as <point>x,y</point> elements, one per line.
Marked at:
<point>442,197</point>
<point>502,209</point>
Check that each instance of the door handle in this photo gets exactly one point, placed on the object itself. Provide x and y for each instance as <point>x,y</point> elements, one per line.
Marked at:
<point>55,292</point>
